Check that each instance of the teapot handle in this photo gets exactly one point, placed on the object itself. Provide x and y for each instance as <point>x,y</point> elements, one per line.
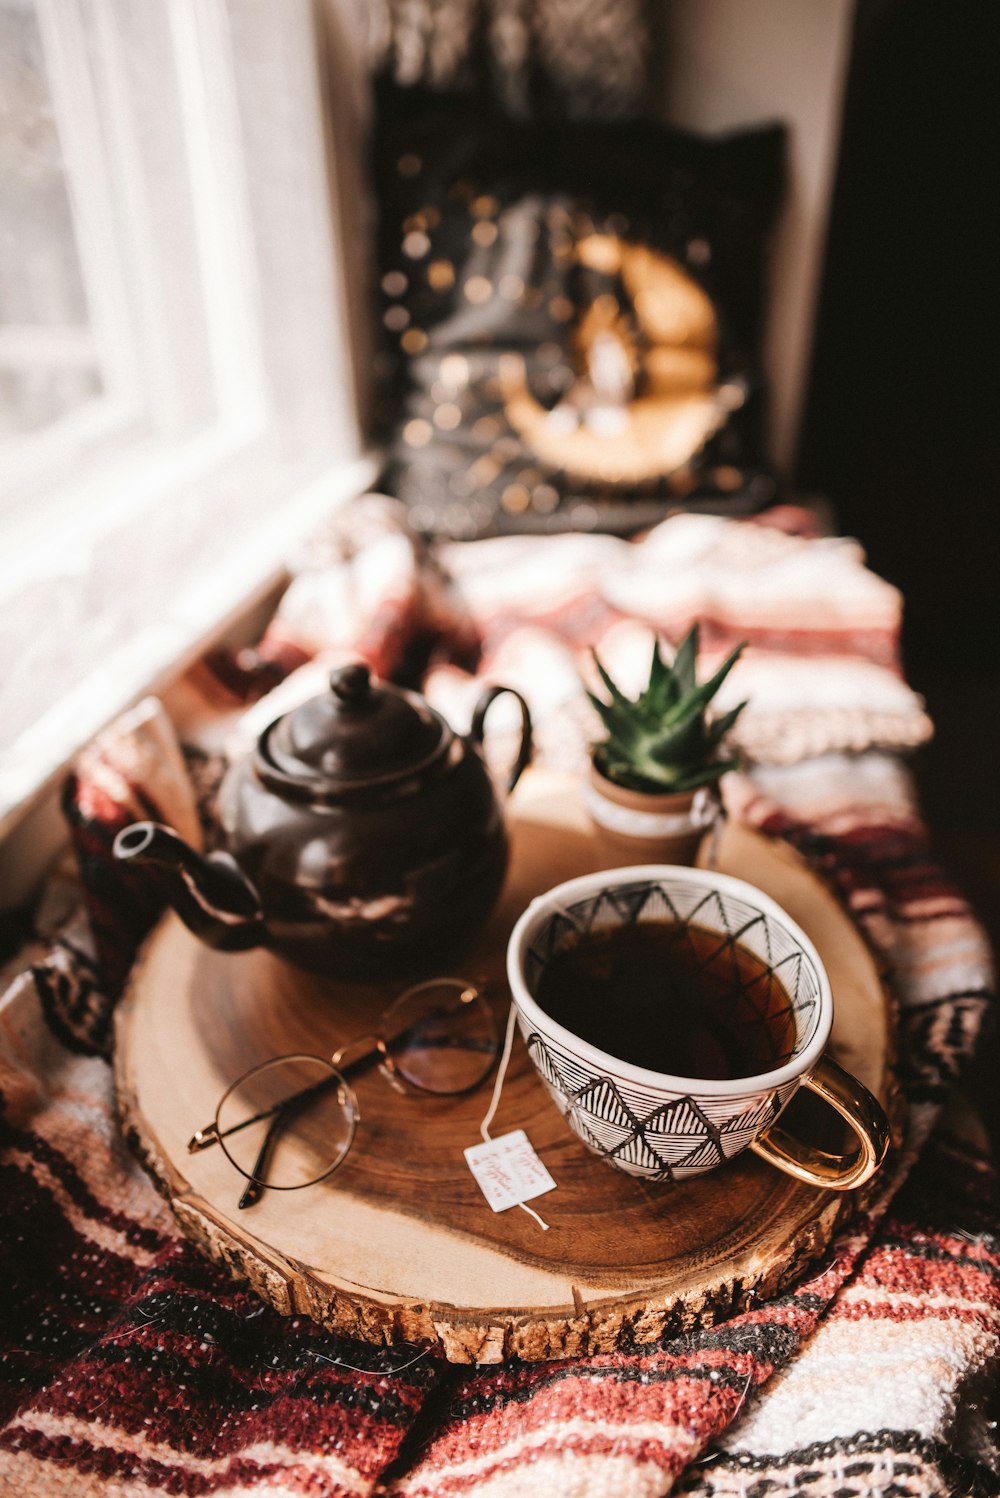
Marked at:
<point>478,724</point>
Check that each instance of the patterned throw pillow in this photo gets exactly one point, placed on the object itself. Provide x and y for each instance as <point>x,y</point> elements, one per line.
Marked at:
<point>571,316</point>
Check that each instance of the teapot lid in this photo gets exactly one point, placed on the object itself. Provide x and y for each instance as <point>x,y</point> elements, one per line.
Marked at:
<point>358,734</point>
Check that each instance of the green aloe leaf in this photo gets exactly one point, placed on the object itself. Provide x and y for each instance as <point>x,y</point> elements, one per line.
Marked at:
<point>708,776</point>
<point>685,660</point>
<point>719,727</point>
<point>662,740</point>
<point>699,699</point>
<point>682,745</point>
<point>624,730</point>
<point>614,691</point>
<point>664,689</point>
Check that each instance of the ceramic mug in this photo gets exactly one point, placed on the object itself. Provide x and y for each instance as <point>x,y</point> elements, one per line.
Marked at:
<point>662,1127</point>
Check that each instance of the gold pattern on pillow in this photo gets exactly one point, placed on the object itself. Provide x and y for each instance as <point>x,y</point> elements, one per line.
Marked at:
<point>571,319</point>
<point>644,397</point>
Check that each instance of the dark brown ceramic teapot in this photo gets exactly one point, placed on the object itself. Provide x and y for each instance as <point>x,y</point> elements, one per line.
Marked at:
<point>363,836</point>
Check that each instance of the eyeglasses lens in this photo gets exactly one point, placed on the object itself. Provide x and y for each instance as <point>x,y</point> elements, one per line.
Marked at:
<point>441,1036</point>
<point>287,1123</point>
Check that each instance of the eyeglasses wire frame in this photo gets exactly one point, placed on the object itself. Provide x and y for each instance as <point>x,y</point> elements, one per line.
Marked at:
<point>373,1049</point>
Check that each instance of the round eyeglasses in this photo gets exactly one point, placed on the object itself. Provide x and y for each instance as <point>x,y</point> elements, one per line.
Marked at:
<point>289,1122</point>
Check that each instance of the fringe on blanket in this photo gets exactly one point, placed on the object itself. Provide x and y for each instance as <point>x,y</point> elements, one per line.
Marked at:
<point>130,1366</point>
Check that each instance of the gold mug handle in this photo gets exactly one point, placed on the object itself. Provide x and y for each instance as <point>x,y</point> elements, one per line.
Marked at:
<point>862,1111</point>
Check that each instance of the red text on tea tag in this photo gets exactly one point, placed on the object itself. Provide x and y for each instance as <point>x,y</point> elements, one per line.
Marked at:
<point>508,1171</point>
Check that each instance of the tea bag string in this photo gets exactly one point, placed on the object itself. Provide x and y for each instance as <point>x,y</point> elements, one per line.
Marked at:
<point>484,1127</point>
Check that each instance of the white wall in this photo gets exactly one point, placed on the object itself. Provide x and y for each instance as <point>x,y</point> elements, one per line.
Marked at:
<point>736,62</point>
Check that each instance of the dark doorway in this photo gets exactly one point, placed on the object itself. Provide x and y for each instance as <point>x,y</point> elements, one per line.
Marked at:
<point>903,417</point>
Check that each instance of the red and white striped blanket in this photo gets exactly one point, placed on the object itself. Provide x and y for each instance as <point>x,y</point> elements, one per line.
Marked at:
<point>132,1366</point>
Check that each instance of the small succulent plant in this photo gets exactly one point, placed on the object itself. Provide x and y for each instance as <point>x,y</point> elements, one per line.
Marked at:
<point>664,741</point>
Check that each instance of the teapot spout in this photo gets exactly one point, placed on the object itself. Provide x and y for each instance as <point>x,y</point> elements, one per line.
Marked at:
<point>210,894</point>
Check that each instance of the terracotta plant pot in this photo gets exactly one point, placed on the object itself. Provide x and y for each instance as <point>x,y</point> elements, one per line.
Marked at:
<point>643,827</point>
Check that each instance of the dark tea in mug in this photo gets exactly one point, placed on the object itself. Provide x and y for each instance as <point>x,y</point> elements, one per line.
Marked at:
<point>673,998</point>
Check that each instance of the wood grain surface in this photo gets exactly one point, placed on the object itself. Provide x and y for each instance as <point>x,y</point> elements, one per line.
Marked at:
<point>399,1244</point>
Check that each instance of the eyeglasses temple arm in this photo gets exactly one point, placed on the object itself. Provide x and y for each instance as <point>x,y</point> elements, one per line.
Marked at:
<point>211,1134</point>
<point>203,1139</point>
<point>256,1186</point>
<point>379,1050</point>
<point>253,1189</point>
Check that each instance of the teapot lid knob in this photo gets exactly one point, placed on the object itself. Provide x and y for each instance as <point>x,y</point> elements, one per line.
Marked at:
<point>352,684</point>
<point>359,734</point>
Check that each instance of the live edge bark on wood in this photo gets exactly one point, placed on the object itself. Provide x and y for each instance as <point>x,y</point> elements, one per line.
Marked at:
<point>399,1245</point>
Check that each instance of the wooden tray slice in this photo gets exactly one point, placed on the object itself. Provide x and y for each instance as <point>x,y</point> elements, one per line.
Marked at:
<point>399,1245</point>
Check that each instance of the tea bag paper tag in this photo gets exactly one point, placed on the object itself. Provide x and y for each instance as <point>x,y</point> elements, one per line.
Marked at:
<point>508,1171</point>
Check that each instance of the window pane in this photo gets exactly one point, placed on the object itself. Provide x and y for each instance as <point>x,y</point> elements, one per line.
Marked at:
<point>48,363</point>
<point>186,247</point>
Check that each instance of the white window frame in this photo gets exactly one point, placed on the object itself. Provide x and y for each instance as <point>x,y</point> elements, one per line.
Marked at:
<point>228,350</point>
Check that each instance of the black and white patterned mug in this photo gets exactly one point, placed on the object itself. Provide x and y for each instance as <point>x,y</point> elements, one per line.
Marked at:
<point>672,1014</point>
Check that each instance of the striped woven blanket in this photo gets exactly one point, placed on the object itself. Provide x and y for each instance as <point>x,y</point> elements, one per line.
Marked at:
<point>130,1365</point>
